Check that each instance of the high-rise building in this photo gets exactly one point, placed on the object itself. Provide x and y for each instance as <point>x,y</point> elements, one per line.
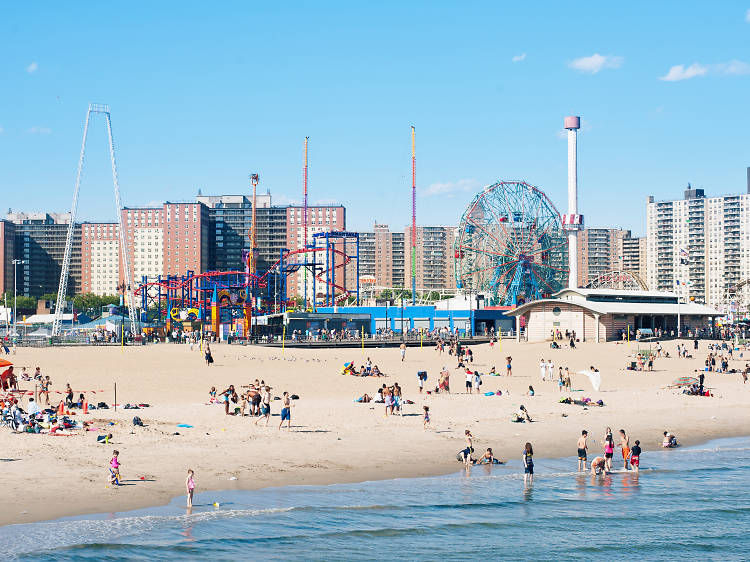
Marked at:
<point>186,243</point>
<point>40,243</point>
<point>271,235</point>
<point>381,256</point>
<point>434,257</point>
<point>144,242</point>
<point>100,258</point>
<point>7,255</point>
<point>634,256</point>
<point>698,246</point>
<point>599,252</point>
<point>319,219</point>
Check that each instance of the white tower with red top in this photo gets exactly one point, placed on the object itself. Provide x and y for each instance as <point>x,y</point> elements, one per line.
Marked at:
<point>573,222</point>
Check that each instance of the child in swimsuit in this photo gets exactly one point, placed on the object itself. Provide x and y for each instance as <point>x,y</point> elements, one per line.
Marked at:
<point>114,468</point>
<point>190,485</point>
<point>635,456</point>
<point>426,421</point>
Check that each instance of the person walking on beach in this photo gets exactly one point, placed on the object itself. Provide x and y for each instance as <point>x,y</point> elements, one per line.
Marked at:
<point>402,347</point>
<point>286,411</point>
<point>542,369</point>
<point>582,449</point>
<point>265,405</point>
<point>426,420</point>
<point>114,468</point>
<point>190,486</point>
<point>528,463</point>
<point>508,368</point>
<point>625,446</point>
<point>209,358</point>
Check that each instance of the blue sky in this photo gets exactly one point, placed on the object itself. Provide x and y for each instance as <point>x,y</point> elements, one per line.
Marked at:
<point>202,95</point>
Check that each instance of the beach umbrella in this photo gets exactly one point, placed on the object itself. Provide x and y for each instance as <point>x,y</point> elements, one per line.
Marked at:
<point>349,364</point>
<point>685,381</point>
<point>4,363</point>
<point>594,377</point>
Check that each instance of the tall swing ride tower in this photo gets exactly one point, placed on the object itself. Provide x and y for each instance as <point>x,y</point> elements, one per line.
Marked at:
<point>94,109</point>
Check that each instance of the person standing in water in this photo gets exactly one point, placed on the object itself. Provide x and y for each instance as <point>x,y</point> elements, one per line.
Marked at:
<point>582,448</point>
<point>635,456</point>
<point>528,463</point>
<point>190,486</point>
<point>625,445</point>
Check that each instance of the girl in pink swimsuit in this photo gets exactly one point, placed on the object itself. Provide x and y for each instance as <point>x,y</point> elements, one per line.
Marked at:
<point>190,485</point>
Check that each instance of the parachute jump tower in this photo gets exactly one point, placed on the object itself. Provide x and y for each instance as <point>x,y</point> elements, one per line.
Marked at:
<point>95,108</point>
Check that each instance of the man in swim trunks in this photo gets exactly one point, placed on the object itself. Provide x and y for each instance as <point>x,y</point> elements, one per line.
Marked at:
<point>635,456</point>
<point>286,411</point>
<point>625,445</point>
<point>469,379</point>
<point>582,447</point>
<point>597,466</point>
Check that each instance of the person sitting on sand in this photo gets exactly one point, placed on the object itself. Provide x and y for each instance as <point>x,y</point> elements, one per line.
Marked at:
<point>521,415</point>
<point>365,398</point>
<point>669,440</point>
<point>488,458</point>
<point>493,371</point>
<point>375,372</point>
<point>598,466</point>
<point>212,394</point>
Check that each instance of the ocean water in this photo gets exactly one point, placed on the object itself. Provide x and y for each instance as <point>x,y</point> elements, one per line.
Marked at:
<point>690,502</point>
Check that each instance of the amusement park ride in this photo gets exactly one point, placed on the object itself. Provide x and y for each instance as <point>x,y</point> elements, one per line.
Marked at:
<point>237,297</point>
<point>512,245</point>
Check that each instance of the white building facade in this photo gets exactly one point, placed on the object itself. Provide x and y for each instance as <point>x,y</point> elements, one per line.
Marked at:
<point>698,246</point>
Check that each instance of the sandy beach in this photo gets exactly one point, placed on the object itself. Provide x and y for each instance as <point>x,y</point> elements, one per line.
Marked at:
<point>332,439</point>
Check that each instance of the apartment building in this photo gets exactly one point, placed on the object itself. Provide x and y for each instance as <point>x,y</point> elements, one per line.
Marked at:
<point>319,219</point>
<point>634,256</point>
<point>40,243</point>
<point>381,256</point>
<point>185,238</point>
<point>434,261</point>
<point>7,255</point>
<point>100,258</point>
<point>701,242</point>
<point>599,252</point>
<point>144,242</point>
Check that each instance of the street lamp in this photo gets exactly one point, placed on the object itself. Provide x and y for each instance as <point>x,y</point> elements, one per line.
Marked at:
<point>15,307</point>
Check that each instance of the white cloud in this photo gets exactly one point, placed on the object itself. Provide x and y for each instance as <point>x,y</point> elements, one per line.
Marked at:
<point>449,188</point>
<point>733,67</point>
<point>40,131</point>
<point>32,68</point>
<point>519,58</point>
<point>680,72</point>
<point>595,63</point>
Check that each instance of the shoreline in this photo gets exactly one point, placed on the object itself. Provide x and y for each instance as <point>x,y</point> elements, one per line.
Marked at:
<point>333,439</point>
<point>348,478</point>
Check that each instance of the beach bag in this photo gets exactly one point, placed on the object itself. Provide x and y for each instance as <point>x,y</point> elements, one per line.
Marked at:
<point>137,421</point>
<point>294,397</point>
<point>102,406</point>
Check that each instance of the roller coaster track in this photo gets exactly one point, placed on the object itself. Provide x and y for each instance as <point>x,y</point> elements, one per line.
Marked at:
<point>260,279</point>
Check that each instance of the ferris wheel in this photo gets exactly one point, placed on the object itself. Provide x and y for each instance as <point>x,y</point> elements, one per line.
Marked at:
<point>511,245</point>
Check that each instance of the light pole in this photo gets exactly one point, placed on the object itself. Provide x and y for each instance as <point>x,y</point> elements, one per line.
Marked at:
<point>15,307</point>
